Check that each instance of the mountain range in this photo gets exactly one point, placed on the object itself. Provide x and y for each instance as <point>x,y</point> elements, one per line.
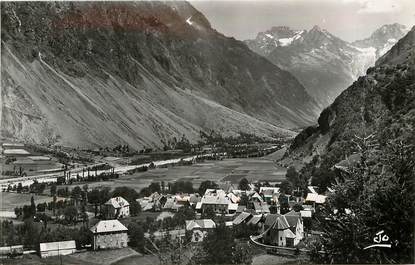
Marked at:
<point>380,104</point>
<point>322,62</point>
<point>94,74</point>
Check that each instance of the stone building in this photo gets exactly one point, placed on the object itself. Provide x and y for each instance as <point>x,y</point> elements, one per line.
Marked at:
<point>109,234</point>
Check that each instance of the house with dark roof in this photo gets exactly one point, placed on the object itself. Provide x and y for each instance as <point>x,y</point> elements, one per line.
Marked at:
<point>295,222</point>
<point>242,218</point>
<point>261,208</point>
<point>283,230</point>
<point>256,220</point>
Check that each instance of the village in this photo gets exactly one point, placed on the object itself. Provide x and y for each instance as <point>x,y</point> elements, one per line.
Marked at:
<point>71,214</point>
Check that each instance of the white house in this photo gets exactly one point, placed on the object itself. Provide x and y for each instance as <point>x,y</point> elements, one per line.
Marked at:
<point>117,207</point>
<point>60,248</point>
<point>199,228</point>
<point>215,200</point>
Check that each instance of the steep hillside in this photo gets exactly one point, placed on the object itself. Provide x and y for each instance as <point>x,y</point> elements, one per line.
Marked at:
<point>381,103</point>
<point>323,63</point>
<point>89,74</point>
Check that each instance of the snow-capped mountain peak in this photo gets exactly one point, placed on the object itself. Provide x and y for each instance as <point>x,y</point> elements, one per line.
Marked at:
<point>383,38</point>
<point>324,63</point>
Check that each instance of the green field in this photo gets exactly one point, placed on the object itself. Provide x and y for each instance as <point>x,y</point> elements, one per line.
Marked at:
<point>233,170</point>
<point>10,200</point>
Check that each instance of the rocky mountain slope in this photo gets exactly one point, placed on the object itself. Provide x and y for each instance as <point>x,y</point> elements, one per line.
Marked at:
<point>381,104</point>
<point>383,38</point>
<point>324,63</point>
<point>137,73</point>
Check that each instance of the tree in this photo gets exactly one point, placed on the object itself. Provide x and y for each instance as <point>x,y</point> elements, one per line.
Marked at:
<point>32,206</point>
<point>27,212</point>
<point>377,196</point>
<point>104,195</point>
<point>135,208</point>
<point>244,200</point>
<point>83,237</point>
<point>293,176</point>
<point>85,192</point>
<point>184,213</point>
<point>298,207</point>
<point>30,231</point>
<point>181,187</point>
<point>54,205</point>
<point>242,255</point>
<point>244,184</point>
<point>207,184</point>
<point>209,213</point>
<point>18,211</point>
<point>19,187</point>
<point>70,213</point>
<point>53,189</point>
<point>41,207</point>
<point>284,206</point>
<point>136,236</point>
<point>94,198</point>
<point>127,193</point>
<point>76,194</point>
<point>286,187</point>
<point>154,187</point>
<point>219,247</point>
<point>323,178</point>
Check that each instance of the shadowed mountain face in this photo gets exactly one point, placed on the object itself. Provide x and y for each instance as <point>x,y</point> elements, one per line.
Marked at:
<point>381,103</point>
<point>139,73</point>
<point>323,63</point>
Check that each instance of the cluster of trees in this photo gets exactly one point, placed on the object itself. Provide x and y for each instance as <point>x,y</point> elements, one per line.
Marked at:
<point>207,184</point>
<point>378,195</point>
<point>220,247</point>
<point>172,188</point>
<point>31,233</point>
<point>88,178</point>
<point>182,144</point>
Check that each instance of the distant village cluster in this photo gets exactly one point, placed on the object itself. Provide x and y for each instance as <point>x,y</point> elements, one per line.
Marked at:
<point>266,215</point>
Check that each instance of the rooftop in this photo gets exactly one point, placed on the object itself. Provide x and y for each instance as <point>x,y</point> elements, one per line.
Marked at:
<point>70,244</point>
<point>106,226</point>
<point>16,152</point>
<point>201,223</point>
<point>117,202</point>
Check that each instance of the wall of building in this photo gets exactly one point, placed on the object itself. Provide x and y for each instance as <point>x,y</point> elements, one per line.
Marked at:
<point>57,252</point>
<point>110,240</point>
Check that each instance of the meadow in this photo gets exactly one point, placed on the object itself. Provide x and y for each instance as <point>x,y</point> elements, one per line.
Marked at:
<point>253,169</point>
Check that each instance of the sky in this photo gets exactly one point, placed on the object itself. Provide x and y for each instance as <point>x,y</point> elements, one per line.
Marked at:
<point>348,19</point>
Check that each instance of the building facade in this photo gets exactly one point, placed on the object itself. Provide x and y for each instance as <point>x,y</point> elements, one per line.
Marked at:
<point>109,234</point>
<point>117,207</point>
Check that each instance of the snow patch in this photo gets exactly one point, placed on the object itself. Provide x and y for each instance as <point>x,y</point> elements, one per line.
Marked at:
<point>361,62</point>
<point>188,21</point>
<point>286,41</point>
<point>387,46</point>
<point>269,36</point>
